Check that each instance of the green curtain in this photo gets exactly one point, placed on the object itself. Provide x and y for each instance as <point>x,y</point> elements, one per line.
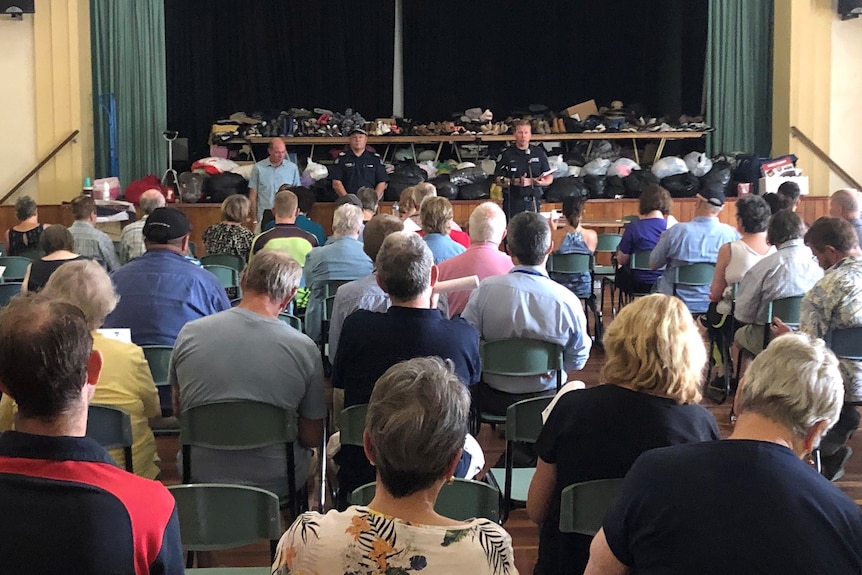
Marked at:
<point>128,49</point>
<point>738,76</point>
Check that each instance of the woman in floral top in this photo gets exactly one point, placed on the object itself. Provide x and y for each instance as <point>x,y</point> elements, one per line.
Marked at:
<point>417,417</point>
<point>230,236</point>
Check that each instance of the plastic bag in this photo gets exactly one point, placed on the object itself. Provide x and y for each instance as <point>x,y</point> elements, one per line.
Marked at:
<point>468,176</point>
<point>563,188</point>
<point>698,163</point>
<point>597,167</point>
<point>559,168</point>
<point>476,191</point>
<point>596,187</point>
<point>445,187</point>
<point>430,169</point>
<point>315,171</point>
<point>669,166</point>
<point>635,182</point>
<point>623,167</point>
<point>718,179</point>
<point>681,185</point>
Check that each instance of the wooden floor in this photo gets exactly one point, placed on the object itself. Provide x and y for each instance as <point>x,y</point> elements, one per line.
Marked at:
<point>524,533</point>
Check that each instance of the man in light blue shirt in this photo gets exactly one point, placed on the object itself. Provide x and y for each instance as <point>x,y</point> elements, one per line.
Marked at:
<point>341,258</point>
<point>693,242</point>
<point>267,176</point>
<point>526,303</point>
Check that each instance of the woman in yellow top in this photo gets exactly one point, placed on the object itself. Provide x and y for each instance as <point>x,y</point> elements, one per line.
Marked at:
<point>126,382</point>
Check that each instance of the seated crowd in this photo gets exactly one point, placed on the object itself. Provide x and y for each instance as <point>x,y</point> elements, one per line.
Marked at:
<point>411,351</point>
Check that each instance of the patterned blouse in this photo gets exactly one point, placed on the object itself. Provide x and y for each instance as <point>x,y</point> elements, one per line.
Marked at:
<point>222,238</point>
<point>360,541</point>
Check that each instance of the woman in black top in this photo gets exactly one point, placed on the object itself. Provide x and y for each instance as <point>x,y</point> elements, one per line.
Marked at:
<point>652,380</point>
<point>57,243</point>
<point>25,235</point>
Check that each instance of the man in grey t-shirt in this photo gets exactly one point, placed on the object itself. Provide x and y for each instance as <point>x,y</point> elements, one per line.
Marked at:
<point>247,353</point>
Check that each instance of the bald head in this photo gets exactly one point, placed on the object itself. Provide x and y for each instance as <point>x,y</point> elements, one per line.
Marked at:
<point>151,200</point>
<point>845,204</point>
<point>487,223</point>
<point>277,151</point>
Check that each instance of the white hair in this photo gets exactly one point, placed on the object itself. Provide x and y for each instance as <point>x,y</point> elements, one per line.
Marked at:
<point>487,223</point>
<point>795,382</point>
<point>347,220</point>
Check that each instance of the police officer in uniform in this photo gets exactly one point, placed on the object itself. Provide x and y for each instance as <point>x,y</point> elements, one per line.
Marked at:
<point>358,167</point>
<point>523,171</point>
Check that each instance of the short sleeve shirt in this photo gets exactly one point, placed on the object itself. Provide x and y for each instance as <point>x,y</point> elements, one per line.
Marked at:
<point>357,171</point>
<point>516,163</point>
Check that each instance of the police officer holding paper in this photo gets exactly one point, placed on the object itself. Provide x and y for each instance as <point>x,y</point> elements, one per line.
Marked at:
<point>523,170</point>
<point>358,167</point>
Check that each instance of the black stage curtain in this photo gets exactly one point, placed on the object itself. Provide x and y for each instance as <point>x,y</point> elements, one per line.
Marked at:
<point>225,56</point>
<point>511,53</point>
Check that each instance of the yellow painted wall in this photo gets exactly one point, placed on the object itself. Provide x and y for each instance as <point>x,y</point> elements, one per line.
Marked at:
<point>17,105</point>
<point>63,95</point>
<point>846,113</point>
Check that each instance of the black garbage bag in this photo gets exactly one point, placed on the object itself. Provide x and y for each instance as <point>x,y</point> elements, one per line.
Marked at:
<point>718,179</point>
<point>191,187</point>
<point>445,187</point>
<point>563,188</point>
<point>410,169</point>
<point>477,191</point>
<point>595,187</point>
<point>614,187</point>
<point>397,183</point>
<point>468,176</point>
<point>323,191</point>
<point>635,182</point>
<point>218,187</point>
<point>681,185</point>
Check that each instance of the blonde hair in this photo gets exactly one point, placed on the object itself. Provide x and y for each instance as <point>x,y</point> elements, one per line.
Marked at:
<point>236,208</point>
<point>654,347</point>
<point>436,215</point>
<point>86,285</point>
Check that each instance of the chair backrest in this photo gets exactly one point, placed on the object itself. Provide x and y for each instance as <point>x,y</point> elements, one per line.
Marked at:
<point>159,359</point>
<point>846,343</point>
<point>697,274</point>
<point>640,260</point>
<point>9,290</point>
<point>584,505</point>
<point>215,516</point>
<point>237,425</point>
<point>111,428</point>
<point>786,308</point>
<point>570,263</point>
<point>16,267</point>
<point>332,286</point>
<point>520,357</point>
<point>291,320</point>
<point>461,500</point>
<point>524,419</point>
<point>228,277</point>
<point>608,243</point>
<point>32,254</point>
<point>232,261</point>
<point>328,305</point>
<point>351,424</point>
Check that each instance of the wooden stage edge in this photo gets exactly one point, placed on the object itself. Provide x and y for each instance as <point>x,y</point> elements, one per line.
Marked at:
<point>604,211</point>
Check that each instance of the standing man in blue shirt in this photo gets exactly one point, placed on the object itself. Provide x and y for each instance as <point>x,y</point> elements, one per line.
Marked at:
<point>358,167</point>
<point>523,171</point>
<point>267,176</point>
<point>693,242</point>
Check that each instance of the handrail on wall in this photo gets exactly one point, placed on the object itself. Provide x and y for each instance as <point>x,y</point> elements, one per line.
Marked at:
<point>39,166</point>
<point>797,133</point>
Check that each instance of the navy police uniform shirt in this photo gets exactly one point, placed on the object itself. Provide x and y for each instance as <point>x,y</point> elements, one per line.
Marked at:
<point>515,163</point>
<point>357,171</point>
<point>68,509</point>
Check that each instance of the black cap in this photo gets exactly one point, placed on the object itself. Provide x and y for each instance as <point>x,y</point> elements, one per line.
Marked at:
<point>712,197</point>
<point>166,224</point>
<point>352,199</point>
<point>357,130</point>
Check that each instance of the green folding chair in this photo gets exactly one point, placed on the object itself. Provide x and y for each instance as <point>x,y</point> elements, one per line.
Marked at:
<point>112,429</point>
<point>16,268</point>
<point>461,500</point>
<point>227,260</point>
<point>846,343</point>
<point>787,309</point>
<point>32,254</point>
<point>351,424</point>
<point>291,320</point>
<point>579,264</point>
<point>228,277</point>
<point>9,290</point>
<point>608,244</point>
<point>523,424</point>
<point>241,425</point>
<point>326,316</point>
<point>216,516</point>
<point>583,505</point>
<point>693,275</point>
<point>159,359</point>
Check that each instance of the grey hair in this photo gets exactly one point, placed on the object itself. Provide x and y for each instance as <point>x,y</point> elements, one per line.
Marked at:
<point>273,273</point>
<point>421,191</point>
<point>25,207</point>
<point>847,199</point>
<point>346,220</point>
<point>487,223</point>
<point>417,421</point>
<point>86,285</point>
<point>528,238</point>
<point>795,382</point>
<point>150,202</point>
<point>368,197</point>
<point>404,265</point>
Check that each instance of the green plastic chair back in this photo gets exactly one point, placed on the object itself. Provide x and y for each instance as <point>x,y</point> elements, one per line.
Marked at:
<point>32,254</point>
<point>328,305</point>
<point>16,268</point>
<point>521,357</point>
<point>215,516</point>
<point>351,424</point>
<point>112,429</point>
<point>698,274</point>
<point>227,260</point>
<point>291,320</point>
<point>640,260</point>
<point>461,500</point>
<point>240,425</point>
<point>228,277</point>
<point>584,505</point>
<point>846,343</point>
<point>570,263</point>
<point>787,309</point>
<point>608,243</point>
<point>332,286</point>
<point>524,419</point>
<point>9,290</point>
<point>159,360</point>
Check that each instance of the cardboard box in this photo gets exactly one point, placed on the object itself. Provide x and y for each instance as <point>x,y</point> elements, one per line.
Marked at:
<point>584,110</point>
<point>770,185</point>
